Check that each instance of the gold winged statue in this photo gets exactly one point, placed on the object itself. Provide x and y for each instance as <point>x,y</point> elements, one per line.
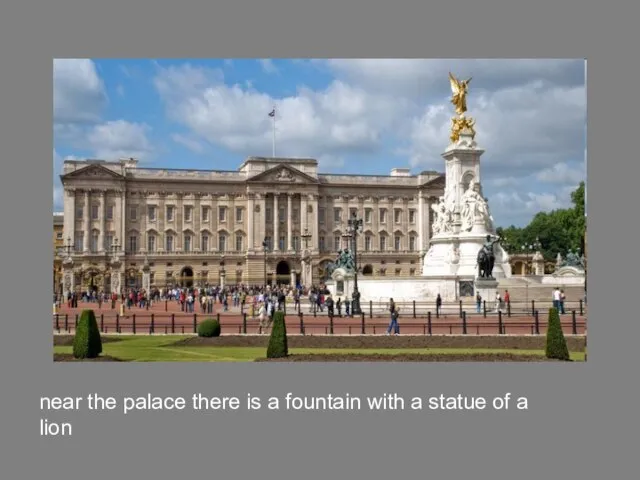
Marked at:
<point>459,89</point>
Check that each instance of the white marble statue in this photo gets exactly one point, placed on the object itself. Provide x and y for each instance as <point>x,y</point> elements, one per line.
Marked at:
<point>474,207</point>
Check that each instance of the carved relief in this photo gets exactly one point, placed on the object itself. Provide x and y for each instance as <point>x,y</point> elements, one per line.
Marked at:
<point>284,175</point>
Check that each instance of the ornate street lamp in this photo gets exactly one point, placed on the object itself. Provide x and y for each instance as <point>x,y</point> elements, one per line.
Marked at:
<point>354,228</point>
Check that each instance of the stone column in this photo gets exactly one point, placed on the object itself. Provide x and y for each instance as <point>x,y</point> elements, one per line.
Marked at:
<point>179,224</point>
<point>289,245</point>
<point>103,220</point>
<point>87,221</point>
<point>420,221</point>
<point>69,214</point>
<point>262,224</point>
<point>161,217</point>
<point>314,225</point>
<point>304,207</point>
<point>123,219</point>
<point>197,221</point>
<point>250,217</point>
<point>276,233</point>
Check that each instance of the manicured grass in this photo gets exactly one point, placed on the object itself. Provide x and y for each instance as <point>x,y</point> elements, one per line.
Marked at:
<point>159,349</point>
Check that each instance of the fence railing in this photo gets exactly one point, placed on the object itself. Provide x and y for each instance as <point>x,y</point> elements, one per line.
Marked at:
<point>299,323</point>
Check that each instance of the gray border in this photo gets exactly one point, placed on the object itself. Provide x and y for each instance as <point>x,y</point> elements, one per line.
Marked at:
<point>569,431</point>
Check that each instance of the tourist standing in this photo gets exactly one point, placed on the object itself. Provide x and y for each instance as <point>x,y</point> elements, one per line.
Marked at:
<point>562,299</point>
<point>438,305</point>
<point>556,299</point>
<point>393,325</point>
<point>478,302</point>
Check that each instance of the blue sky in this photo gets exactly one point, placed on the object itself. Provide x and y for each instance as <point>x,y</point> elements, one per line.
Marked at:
<point>353,115</point>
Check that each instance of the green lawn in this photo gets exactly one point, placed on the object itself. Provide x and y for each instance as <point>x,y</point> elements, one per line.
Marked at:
<point>159,349</point>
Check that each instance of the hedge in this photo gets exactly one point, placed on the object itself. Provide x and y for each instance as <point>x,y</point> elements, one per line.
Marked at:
<point>87,342</point>
<point>209,328</point>
<point>556,346</point>
<point>278,346</point>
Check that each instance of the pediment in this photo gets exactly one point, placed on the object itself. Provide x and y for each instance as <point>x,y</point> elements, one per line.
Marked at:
<point>92,172</point>
<point>438,182</point>
<point>282,174</point>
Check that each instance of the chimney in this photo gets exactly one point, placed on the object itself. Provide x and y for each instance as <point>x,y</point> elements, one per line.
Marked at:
<point>400,172</point>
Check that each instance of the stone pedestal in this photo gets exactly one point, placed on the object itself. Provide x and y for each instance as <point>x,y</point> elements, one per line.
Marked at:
<point>488,289</point>
<point>223,275</point>
<point>116,281</point>
<point>68,278</point>
<point>146,277</point>
<point>341,284</point>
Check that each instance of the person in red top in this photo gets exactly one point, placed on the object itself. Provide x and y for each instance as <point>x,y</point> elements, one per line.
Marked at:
<point>507,299</point>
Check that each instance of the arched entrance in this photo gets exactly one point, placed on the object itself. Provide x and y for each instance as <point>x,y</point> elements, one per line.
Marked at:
<point>186,277</point>
<point>283,273</point>
<point>367,270</point>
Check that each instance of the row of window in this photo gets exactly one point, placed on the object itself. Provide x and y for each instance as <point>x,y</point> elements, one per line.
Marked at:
<point>188,243</point>
<point>222,214</point>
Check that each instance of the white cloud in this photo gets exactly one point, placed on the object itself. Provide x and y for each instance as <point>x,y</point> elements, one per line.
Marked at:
<point>120,90</point>
<point>268,66</point>
<point>78,92</point>
<point>563,173</point>
<point>119,138</point>
<point>186,141</point>
<point>335,121</point>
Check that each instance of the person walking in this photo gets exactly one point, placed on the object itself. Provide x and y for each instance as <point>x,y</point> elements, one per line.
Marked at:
<point>438,305</point>
<point>556,299</point>
<point>562,299</point>
<point>393,325</point>
<point>478,302</point>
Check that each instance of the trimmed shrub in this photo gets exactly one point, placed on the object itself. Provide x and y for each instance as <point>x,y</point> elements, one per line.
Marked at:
<point>87,342</point>
<point>209,328</point>
<point>556,346</point>
<point>278,346</point>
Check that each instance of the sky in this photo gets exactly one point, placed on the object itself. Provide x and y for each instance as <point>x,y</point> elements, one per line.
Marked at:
<point>353,115</point>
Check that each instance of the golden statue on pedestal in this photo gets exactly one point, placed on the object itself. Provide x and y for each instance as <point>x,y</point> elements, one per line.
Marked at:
<point>459,100</point>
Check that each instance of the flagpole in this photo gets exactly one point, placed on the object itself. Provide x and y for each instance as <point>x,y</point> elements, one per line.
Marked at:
<point>274,131</point>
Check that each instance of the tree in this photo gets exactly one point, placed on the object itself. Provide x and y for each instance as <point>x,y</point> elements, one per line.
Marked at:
<point>87,342</point>
<point>278,346</point>
<point>558,231</point>
<point>556,346</point>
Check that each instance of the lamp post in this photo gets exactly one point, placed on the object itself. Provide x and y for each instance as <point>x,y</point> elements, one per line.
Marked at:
<point>306,236</point>
<point>354,228</point>
<point>264,250</point>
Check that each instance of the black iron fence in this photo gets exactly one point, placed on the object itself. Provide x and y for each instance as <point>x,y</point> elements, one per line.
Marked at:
<point>432,323</point>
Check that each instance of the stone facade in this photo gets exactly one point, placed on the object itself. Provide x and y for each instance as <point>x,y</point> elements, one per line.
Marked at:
<point>58,244</point>
<point>206,226</point>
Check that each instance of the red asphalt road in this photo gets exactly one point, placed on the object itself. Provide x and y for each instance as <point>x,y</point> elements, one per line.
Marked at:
<point>232,322</point>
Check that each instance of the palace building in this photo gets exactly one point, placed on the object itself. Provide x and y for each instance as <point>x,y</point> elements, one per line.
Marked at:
<point>209,226</point>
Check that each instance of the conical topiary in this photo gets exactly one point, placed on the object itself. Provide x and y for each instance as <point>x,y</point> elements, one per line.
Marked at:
<point>278,347</point>
<point>87,342</point>
<point>556,347</point>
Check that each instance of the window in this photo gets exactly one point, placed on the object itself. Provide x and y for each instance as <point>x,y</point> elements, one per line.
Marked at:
<point>383,215</point>
<point>367,243</point>
<point>108,241</point>
<point>151,243</point>
<point>282,243</point>
<point>204,242</point>
<point>152,278</point>
<point>383,243</point>
<point>78,240</point>
<point>367,215</point>
<point>398,271</point>
<point>187,243</point>
<point>397,216</point>
<point>412,216</point>
<point>59,236</point>
<point>133,243</point>
<point>151,213</point>
<point>188,211</point>
<point>321,244</point>
<point>222,243</point>
<point>281,214</point>
<point>321,215</point>
<point>133,213</point>
<point>169,243</point>
<point>269,242</point>
<point>296,215</point>
<point>94,212</point>
<point>205,214</point>
<point>353,211</point>
<point>79,212</point>
<point>296,243</point>
<point>94,242</point>
<point>412,271</point>
<point>268,215</point>
<point>336,243</point>
<point>222,214</point>
<point>238,243</point>
<point>396,242</point>
<point>412,243</point>
<point>238,214</point>
<point>170,213</point>
<point>109,212</point>
<point>337,215</point>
